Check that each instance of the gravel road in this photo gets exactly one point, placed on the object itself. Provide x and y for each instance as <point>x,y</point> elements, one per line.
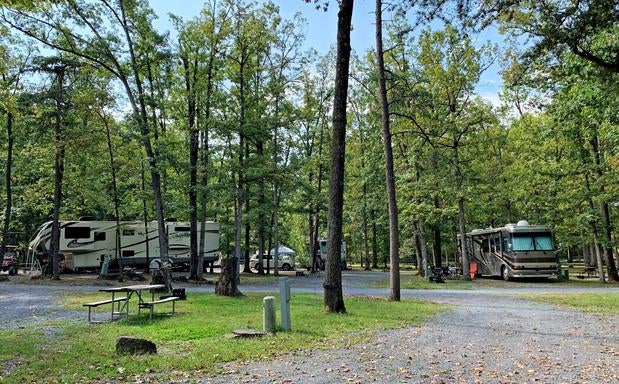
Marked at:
<point>488,337</point>
<point>485,339</point>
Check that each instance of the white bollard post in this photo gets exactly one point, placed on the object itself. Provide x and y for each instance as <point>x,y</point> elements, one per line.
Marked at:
<point>268,314</point>
<point>284,300</point>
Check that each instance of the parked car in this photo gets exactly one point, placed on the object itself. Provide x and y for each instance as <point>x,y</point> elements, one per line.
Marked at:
<point>285,260</point>
<point>9,261</point>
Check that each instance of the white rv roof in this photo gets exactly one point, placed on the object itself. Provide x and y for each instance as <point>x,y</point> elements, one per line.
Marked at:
<point>521,226</point>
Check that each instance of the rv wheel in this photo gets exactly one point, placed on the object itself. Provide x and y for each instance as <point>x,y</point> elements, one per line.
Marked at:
<point>505,273</point>
<point>286,267</point>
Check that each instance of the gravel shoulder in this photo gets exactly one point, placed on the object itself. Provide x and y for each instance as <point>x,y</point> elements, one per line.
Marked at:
<point>485,339</point>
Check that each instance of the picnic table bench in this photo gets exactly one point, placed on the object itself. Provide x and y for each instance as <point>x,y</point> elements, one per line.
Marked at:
<point>151,304</point>
<point>588,272</point>
<point>123,302</point>
<point>117,300</point>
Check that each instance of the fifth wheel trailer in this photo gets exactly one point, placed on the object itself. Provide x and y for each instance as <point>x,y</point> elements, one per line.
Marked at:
<point>84,245</point>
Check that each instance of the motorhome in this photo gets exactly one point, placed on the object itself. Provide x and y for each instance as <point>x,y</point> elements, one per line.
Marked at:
<point>84,244</point>
<point>515,250</point>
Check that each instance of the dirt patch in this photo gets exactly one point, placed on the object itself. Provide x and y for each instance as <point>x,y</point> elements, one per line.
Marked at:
<point>9,366</point>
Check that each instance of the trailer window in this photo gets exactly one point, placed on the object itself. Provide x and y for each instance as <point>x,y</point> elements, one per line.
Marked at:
<point>181,229</point>
<point>128,232</point>
<point>99,236</point>
<point>77,232</point>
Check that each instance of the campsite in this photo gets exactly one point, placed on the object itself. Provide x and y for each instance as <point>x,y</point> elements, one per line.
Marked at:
<point>309,191</point>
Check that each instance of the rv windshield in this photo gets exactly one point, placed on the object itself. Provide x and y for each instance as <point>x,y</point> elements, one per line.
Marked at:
<point>529,242</point>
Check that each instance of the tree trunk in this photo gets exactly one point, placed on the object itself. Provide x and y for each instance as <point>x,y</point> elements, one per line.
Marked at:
<point>394,256</point>
<point>229,277</point>
<point>9,165</point>
<point>238,206</point>
<point>118,243</point>
<point>203,203</point>
<point>190,75</point>
<point>311,252</point>
<point>598,259</point>
<point>276,232</point>
<point>227,285</point>
<point>420,268</point>
<point>366,247</point>
<point>604,213</point>
<point>58,172</point>
<point>611,267</point>
<point>424,247</point>
<point>246,268</point>
<point>436,227</point>
<point>333,296</point>
<point>142,118</point>
<point>275,215</point>
<point>461,217</point>
<point>592,255</point>
<point>318,200</point>
<point>205,163</point>
<point>145,213</point>
<point>374,242</point>
<point>261,209</point>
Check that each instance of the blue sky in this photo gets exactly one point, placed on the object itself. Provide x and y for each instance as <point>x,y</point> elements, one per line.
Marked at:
<point>321,30</point>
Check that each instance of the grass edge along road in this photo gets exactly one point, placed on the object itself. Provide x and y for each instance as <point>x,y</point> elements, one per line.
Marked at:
<point>597,303</point>
<point>413,281</point>
<point>194,341</point>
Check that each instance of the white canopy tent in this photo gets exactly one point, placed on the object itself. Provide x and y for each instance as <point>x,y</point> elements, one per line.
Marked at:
<point>283,250</point>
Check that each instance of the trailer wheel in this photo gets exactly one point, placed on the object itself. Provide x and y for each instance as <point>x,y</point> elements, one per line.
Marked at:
<point>505,273</point>
<point>286,267</point>
<point>259,268</point>
<point>12,270</point>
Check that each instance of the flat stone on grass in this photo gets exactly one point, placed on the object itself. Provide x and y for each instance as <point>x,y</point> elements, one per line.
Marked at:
<point>247,333</point>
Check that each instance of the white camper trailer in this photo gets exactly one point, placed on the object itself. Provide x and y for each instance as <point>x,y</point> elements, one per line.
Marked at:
<point>85,244</point>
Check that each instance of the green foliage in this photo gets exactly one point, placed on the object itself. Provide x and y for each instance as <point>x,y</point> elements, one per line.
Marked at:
<point>534,161</point>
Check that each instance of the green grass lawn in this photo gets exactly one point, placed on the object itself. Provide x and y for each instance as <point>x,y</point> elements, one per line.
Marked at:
<point>411,281</point>
<point>599,303</point>
<point>193,341</point>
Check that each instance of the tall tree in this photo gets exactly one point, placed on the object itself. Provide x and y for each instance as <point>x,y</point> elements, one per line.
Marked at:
<point>394,246</point>
<point>92,42</point>
<point>11,73</point>
<point>333,297</point>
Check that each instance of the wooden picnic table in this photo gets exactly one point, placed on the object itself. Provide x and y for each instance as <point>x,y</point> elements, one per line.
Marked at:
<point>129,291</point>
